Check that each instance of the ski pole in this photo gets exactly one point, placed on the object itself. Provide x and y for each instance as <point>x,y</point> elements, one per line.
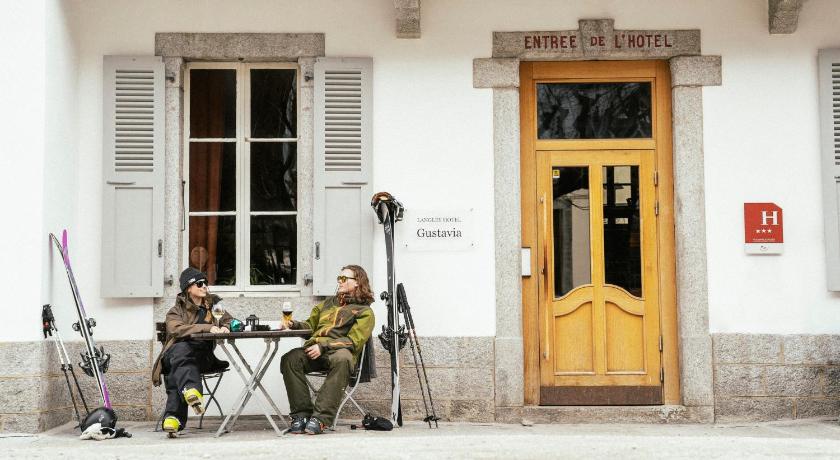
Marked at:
<point>49,327</point>
<point>412,334</point>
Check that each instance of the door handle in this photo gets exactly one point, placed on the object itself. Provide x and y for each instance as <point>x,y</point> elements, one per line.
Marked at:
<point>114,182</point>
<point>353,183</point>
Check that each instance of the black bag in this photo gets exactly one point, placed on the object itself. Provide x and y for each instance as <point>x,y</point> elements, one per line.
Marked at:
<point>377,423</point>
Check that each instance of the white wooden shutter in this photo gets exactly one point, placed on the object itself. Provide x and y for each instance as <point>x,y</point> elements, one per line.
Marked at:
<point>829,77</point>
<point>343,219</point>
<point>133,154</point>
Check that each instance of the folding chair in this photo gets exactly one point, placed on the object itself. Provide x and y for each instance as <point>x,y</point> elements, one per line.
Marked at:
<point>208,391</point>
<point>361,373</point>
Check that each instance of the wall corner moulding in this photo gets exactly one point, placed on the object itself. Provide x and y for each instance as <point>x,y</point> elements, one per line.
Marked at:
<point>408,18</point>
<point>783,15</point>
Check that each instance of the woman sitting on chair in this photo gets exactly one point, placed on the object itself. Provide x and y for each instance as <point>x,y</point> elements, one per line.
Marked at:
<point>183,360</point>
<point>341,326</point>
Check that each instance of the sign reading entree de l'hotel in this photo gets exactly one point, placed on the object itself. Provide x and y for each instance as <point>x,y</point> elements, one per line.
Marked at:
<point>596,37</point>
<point>436,230</point>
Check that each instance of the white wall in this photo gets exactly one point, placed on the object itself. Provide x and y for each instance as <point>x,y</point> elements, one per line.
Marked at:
<point>762,144</point>
<point>433,138</point>
<point>22,48</point>
<point>60,174</point>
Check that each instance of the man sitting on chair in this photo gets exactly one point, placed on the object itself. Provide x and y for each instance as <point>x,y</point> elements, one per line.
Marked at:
<point>341,326</point>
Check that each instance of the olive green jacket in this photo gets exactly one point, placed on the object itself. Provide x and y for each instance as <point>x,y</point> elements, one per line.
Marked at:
<point>335,327</point>
<point>181,323</point>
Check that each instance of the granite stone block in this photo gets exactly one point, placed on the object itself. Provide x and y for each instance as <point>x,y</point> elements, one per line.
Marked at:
<point>810,349</point>
<point>832,381</point>
<point>748,348</point>
<point>57,417</point>
<point>817,407</point>
<point>696,71</point>
<point>23,358</point>
<point>793,380</point>
<point>495,73</point>
<point>739,380</point>
<point>697,383</point>
<point>22,423</point>
<point>471,411</point>
<point>728,410</point>
<point>509,372</point>
<point>21,395</point>
<point>453,383</point>
<point>783,15</point>
<point>246,46</point>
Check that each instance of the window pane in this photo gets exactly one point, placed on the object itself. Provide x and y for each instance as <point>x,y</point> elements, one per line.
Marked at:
<point>273,250</point>
<point>212,248</point>
<point>273,176</point>
<point>622,249</point>
<point>273,103</point>
<point>212,176</point>
<point>212,103</point>
<point>593,110</point>
<point>570,221</point>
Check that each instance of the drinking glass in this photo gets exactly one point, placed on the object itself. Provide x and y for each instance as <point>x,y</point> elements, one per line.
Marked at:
<point>218,311</point>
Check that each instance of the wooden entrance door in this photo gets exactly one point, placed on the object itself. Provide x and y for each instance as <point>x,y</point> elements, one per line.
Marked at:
<point>599,309</point>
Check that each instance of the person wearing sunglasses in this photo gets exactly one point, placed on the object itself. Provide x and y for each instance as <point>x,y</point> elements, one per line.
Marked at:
<point>183,360</point>
<point>341,326</point>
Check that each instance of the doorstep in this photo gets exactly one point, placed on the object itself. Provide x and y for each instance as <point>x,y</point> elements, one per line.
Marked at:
<point>606,414</point>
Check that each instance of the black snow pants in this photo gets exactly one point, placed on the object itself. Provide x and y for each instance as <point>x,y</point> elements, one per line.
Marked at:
<point>183,364</point>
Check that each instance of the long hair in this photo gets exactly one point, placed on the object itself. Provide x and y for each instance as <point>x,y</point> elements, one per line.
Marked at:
<point>362,293</point>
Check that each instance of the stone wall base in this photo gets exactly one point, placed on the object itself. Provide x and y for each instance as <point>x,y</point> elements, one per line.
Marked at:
<point>35,397</point>
<point>757,377</point>
<point>763,377</point>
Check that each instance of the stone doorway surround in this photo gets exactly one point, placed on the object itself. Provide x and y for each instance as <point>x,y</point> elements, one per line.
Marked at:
<point>690,71</point>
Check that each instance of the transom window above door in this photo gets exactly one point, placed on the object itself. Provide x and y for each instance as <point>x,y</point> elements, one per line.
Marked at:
<point>241,188</point>
<point>608,110</point>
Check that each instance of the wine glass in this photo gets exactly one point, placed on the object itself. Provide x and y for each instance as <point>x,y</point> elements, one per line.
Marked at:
<point>218,311</point>
<point>287,314</point>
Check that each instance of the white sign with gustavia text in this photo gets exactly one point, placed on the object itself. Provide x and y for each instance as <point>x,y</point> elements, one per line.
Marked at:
<point>439,230</point>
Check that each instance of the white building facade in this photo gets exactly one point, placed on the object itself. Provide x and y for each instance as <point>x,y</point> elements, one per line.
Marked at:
<point>574,175</point>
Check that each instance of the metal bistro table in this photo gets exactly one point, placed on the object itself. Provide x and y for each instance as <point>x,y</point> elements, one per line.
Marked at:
<point>252,377</point>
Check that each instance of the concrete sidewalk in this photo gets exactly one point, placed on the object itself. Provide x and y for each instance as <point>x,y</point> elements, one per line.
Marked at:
<point>801,438</point>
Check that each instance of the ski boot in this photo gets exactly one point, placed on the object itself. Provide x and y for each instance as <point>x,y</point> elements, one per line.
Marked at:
<point>193,397</point>
<point>171,426</point>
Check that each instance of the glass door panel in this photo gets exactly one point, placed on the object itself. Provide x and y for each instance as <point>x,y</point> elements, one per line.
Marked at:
<point>570,221</point>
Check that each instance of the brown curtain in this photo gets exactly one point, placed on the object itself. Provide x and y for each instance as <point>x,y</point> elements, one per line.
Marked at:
<point>207,98</point>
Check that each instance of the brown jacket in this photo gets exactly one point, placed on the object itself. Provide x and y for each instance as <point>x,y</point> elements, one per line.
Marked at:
<point>181,323</point>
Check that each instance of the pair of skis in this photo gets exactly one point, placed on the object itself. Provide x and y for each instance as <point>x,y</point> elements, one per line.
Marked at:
<point>101,422</point>
<point>394,336</point>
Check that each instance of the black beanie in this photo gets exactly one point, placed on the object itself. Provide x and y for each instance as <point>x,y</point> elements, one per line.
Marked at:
<point>189,276</point>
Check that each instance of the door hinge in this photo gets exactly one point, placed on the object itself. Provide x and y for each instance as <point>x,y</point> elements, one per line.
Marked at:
<point>655,178</point>
<point>656,208</point>
<point>660,343</point>
<point>661,374</point>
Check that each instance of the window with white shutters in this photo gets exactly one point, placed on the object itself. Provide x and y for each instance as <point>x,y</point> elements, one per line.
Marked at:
<point>829,81</point>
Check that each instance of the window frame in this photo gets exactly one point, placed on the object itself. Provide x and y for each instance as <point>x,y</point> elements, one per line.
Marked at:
<point>243,143</point>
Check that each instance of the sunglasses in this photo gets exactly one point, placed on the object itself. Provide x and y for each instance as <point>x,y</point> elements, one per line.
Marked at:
<point>342,278</point>
<point>201,283</point>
